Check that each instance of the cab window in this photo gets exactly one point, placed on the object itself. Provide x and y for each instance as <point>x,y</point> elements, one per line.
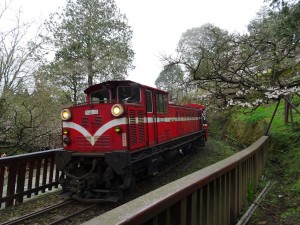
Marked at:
<point>129,94</point>
<point>101,96</point>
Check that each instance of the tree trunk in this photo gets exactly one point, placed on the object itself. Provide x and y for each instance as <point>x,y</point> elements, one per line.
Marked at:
<point>90,71</point>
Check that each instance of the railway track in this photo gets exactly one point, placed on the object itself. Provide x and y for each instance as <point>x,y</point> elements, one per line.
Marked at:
<point>29,218</point>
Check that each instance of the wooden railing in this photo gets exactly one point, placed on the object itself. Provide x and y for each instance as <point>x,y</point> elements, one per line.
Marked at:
<point>212,196</point>
<point>27,174</point>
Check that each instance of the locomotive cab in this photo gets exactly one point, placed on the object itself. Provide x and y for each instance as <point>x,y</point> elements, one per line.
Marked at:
<point>103,120</point>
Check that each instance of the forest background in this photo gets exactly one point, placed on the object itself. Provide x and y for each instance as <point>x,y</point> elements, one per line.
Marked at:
<point>90,42</point>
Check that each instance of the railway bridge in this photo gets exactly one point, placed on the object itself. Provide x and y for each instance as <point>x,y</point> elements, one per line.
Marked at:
<point>214,195</point>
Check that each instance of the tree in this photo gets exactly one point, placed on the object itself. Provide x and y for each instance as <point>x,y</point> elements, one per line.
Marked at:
<point>65,79</point>
<point>281,3</point>
<point>171,80</point>
<point>29,122</point>
<point>26,122</point>
<point>206,53</point>
<point>245,69</point>
<point>274,43</point>
<point>92,40</point>
<point>18,55</point>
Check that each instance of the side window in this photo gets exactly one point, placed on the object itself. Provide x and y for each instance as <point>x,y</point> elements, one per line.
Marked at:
<point>165,103</point>
<point>149,101</point>
<point>158,108</point>
<point>161,103</point>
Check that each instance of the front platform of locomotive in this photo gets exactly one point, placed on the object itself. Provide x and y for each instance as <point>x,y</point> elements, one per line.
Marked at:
<point>94,136</point>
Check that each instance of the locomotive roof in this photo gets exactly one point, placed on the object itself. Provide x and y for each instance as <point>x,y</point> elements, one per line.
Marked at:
<point>116,83</point>
<point>195,105</point>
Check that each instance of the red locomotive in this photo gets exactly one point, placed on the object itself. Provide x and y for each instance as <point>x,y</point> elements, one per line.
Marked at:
<point>123,130</point>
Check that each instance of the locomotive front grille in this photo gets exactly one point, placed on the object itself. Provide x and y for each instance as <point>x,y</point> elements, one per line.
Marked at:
<point>82,143</point>
<point>132,127</point>
<point>85,122</point>
<point>136,128</point>
<point>141,126</point>
<point>98,121</point>
<point>103,142</point>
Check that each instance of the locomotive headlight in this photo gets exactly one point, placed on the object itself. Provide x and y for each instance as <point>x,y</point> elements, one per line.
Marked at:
<point>118,129</point>
<point>65,114</point>
<point>117,110</point>
<point>65,131</point>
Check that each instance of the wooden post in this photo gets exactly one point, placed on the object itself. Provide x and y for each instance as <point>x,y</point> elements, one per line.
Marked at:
<point>267,131</point>
<point>286,110</point>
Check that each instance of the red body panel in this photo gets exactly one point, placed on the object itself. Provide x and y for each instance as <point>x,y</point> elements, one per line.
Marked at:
<point>91,129</point>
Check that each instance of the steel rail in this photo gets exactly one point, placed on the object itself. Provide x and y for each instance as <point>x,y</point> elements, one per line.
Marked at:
<point>37,213</point>
<point>72,215</point>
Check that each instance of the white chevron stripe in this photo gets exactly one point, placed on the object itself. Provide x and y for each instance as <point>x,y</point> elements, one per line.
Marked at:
<point>93,138</point>
<point>120,121</point>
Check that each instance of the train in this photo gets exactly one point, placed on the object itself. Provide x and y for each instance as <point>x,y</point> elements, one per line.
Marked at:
<point>123,132</point>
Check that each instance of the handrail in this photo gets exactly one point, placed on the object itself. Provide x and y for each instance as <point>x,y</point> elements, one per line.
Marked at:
<point>27,174</point>
<point>213,195</point>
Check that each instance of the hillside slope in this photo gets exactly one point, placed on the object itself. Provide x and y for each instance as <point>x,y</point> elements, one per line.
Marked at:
<point>282,203</point>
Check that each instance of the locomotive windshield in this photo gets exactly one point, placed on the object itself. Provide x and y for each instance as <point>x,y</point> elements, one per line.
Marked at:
<point>129,94</point>
<point>101,96</point>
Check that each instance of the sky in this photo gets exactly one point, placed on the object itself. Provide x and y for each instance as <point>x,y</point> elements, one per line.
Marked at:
<point>158,24</point>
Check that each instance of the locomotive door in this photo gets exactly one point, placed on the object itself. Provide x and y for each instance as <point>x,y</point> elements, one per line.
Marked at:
<point>151,119</point>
